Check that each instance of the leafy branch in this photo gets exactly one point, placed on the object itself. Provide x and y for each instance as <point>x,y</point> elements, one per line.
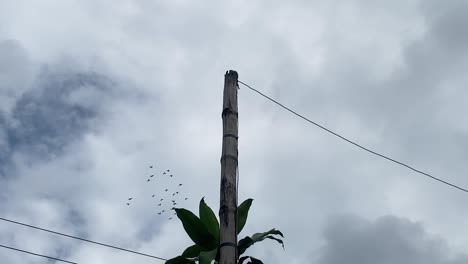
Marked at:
<point>204,232</point>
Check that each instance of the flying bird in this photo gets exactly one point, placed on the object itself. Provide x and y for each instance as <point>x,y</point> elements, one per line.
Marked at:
<point>164,173</point>
<point>159,213</point>
<point>161,199</point>
<point>151,166</point>
<point>170,175</point>
<point>128,203</point>
<point>148,179</point>
<point>186,198</point>
<point>170,218</point>
<point>162,211</point>
<point>180,184</point>
<point>166,190</point>
<point>167,170</point>
<point>130,198</point>
<point>152,175</point>
<point>177,192</point>
<point>159,204</point>
<point>153,195</point>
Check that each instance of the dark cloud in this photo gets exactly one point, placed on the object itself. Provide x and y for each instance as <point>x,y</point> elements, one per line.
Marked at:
<point>387,240</point>
<point>56,112</point>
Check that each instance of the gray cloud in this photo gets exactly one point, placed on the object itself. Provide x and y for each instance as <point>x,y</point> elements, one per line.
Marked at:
<point>58,111</point>
<point>388,74</point>
<point>54,114</point>
<point>16,73</point>
<point>389,239</point>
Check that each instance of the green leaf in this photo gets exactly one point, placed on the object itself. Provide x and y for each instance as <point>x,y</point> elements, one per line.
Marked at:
<point>277,239</point>
<point>217,256</point>
<point>209,219</point>
<point>196,230</point>
<point>178,260</point>
<point>242,259</point>
<point>252,260</point>
<point>276,232</point>
<point>249,241</point>
<point>243,244</point>
<point>242,213</point>
<point>192,251</point>
<point>207,256</point>
<point>255,261</point>
<point>270,232</point>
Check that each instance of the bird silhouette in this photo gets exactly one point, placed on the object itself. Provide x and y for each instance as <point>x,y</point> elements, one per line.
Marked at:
<point>186,198</point>
<point>152,175</point>
<point>130,198</point>
<point>177,192</point>
<point>180,184</point>
<point>153,195</point>
<point>162,211</point>
<point>148,179</point>
<point>170,218</point>
<point>159,213</point>
<point>128,203</point>
<point>151,166</point>
<point>166,190</point>
<point>174,203</point>
<point>170,175</point>
<point>173,194</point>
<point>164,173</point>
<point>161,199</point>
<point>159,204</point>
<point>167,170</point>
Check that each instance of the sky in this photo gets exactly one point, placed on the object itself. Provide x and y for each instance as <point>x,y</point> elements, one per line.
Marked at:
<point>92,93</point>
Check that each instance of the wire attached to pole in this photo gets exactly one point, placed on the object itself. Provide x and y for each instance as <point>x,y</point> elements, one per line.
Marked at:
<point>354,143</point>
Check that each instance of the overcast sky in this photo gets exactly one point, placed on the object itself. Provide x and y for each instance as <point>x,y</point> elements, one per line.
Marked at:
<point>94,92</point>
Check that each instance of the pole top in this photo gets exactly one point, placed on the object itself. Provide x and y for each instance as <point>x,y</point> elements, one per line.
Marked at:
<point>231,74</point>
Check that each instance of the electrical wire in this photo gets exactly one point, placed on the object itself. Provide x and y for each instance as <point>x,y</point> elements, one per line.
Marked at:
<point>39,255</point>
<point>354,143</point>
<point>82,239</point>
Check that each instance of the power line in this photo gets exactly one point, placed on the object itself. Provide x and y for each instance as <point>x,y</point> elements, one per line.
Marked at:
<point>39,255</point>
<point>354,143</point>
<point>82,239</point>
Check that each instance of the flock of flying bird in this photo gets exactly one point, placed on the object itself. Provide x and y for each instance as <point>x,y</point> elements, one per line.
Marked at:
<point>172,199</point>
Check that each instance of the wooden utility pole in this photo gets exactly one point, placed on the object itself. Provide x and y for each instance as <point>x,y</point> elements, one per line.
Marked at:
<point>228,195</point>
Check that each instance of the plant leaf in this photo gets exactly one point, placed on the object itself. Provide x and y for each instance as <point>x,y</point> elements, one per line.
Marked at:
<point>178,260</point>
<point>217,256</point>
<point>242,213</point>
<point>276,232</point>
<point>242,259</point>
<point>257,237</point>
<point>252,260</point>
<point>209,219</point>
<point>270,232</point>
<point>192,251</point>
<point>196,230</point>
<point>243,244</point>
<point>255,261</point>
<point>277,239</point>
<point>207,256</point>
